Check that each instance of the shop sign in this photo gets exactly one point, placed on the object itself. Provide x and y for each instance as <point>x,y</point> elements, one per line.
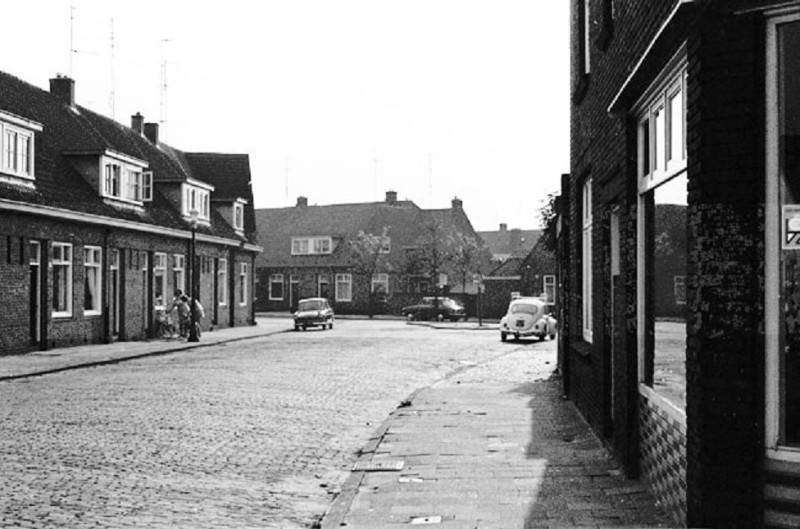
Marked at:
<point>790,224</point>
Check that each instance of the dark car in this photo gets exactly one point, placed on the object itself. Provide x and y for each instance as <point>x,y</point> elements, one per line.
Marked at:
<point>313,312</point>
<point>435,308</point>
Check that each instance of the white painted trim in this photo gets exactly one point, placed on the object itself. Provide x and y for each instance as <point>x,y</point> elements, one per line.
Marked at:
<point>678,6</point>
<point>88,218</point>
<point>663,404</point>
<point>200,184</point>
<point>109,153</point>
<point>772,290</point>
<point>21,121</point>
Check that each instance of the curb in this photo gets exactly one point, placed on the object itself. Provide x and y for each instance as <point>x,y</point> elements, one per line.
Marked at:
<point>340,506</point>
<point>110,361</point>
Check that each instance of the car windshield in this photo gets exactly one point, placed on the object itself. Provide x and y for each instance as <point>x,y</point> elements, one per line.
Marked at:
<point>524,308</point>
<point>312,304</point>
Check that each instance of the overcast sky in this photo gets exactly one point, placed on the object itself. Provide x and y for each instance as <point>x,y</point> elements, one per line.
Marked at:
<point>335,100</point>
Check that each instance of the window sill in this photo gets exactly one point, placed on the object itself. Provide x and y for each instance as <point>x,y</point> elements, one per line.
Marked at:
<point>582,348</point>
<point>61,315</point>
<point>92,313</point>
<point>581,87</point>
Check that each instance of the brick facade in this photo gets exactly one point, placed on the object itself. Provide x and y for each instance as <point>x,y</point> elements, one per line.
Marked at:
<point>719,438</point>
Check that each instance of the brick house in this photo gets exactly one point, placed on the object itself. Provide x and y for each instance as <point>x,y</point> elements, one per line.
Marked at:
<point>505,243</point>
<point>95,224</point>
<point>691,106</point>
<point>308,253</point>
<point>532,275</point>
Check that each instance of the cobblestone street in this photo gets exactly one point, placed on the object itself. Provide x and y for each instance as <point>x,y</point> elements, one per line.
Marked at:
<point>259,433</point>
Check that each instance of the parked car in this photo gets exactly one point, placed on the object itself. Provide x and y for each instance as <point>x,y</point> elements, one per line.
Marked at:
<point>313,312</point>
<point>527,317</point>
<point>435,308</point>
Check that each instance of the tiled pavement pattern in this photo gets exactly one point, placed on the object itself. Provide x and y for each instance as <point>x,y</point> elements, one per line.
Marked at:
<point>494,447</point>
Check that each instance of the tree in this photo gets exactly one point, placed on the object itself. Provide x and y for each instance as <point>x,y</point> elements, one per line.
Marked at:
<point>548,216</point>
<point>433,254</point>
<point>467,257</point>
<point>369,254</point>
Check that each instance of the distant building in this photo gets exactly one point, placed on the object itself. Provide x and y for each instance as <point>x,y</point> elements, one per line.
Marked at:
<point>96,224</point>
<point>308,253</point>
<point>507,243</point>
<point>679,249</point>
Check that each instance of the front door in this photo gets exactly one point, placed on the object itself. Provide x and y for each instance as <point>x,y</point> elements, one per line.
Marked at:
<point>114,294</point>
<point>294,292</point>
<point>35,249</point>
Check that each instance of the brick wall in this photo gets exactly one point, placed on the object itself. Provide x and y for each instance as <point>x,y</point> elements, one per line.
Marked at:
<point>726,248</point>
<point>15,299</point>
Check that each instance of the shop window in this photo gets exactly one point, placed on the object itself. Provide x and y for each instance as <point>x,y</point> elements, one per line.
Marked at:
<point>160,279</point>
<point>782,285</point>
<point>662,251</point>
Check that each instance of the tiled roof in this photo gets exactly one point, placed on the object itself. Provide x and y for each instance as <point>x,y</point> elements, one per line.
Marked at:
<point>513,242</point>
<point>342,222</point>
<point>508,268</point>
<point>66,130</point>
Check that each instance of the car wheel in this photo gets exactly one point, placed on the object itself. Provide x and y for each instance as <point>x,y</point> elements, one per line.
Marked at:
<point>296,328</point>
<point>552,336</point>
<point>440,317</point>
<point>542,337</point>
<point>516,336</point>
<point>304,327</point>
<point>330,326</point>
<point>410,316</point>
<point>503,337</point>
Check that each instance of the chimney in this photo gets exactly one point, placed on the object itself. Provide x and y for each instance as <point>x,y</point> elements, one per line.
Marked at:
<point>137,123</point>
<point>503,227</point>
<point>302,202</point>
<point>391,197</point>
<point>63,88</point>
<point>457,203</point>
<point>151,132</point>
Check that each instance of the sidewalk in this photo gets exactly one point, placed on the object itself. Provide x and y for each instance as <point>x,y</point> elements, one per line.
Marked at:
<point>65,358</point>
<point>495,446</point>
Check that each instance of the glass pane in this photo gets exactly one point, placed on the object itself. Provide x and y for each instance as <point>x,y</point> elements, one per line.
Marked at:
<point>789,170</point>
<point>676,126</point>
<point>658,138</point>
<point>666,303</point>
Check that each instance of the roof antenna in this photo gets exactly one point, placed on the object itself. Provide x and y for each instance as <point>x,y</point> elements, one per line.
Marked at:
<point>113,94</point>
<point>286,177</point>
<point>162,114</point>
<point>71,35</point>
<point>430,180</point>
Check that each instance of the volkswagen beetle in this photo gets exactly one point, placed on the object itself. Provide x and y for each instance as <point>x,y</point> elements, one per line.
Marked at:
<point>527,317</point>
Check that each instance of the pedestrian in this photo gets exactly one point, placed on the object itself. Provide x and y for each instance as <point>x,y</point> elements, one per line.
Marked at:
<point>199,314</point>
<point>184,314</point>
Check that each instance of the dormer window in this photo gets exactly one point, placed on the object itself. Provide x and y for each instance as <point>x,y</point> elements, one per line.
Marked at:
<point>125,179</point>
<point>238,217</point>
<point>312,245</point>
<point>197,196</point>
<point>16,146</point>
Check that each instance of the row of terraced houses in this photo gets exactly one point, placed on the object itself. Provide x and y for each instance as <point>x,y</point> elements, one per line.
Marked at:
<point>99,222</point>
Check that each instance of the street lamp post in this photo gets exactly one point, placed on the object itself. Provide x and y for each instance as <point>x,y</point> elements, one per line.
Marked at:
<point>194,214</point>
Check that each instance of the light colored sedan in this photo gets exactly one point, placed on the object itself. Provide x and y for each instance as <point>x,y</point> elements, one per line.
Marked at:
<point>527,317</point>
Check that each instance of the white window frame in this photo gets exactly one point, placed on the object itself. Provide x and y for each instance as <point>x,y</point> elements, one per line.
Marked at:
<point>179,271</point>
<point>93,260</point>
<point>196,198</point>
<point>66,262</point>
<point>238,216</point>
<point>586,36</point>
<point>773,229</point>
<point>587,271</point>
<point>344,279</point>
<point>652,174</point>
<point>380,279</point>
<point>133,183</point>
<point>549,280</point>
<point>12,156</point>
<point>276,278</point>
<point>147,186</point>
<point>312,245</point>
<point>160,275</point>
<point>243,289</point>
<point>222,282</point>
